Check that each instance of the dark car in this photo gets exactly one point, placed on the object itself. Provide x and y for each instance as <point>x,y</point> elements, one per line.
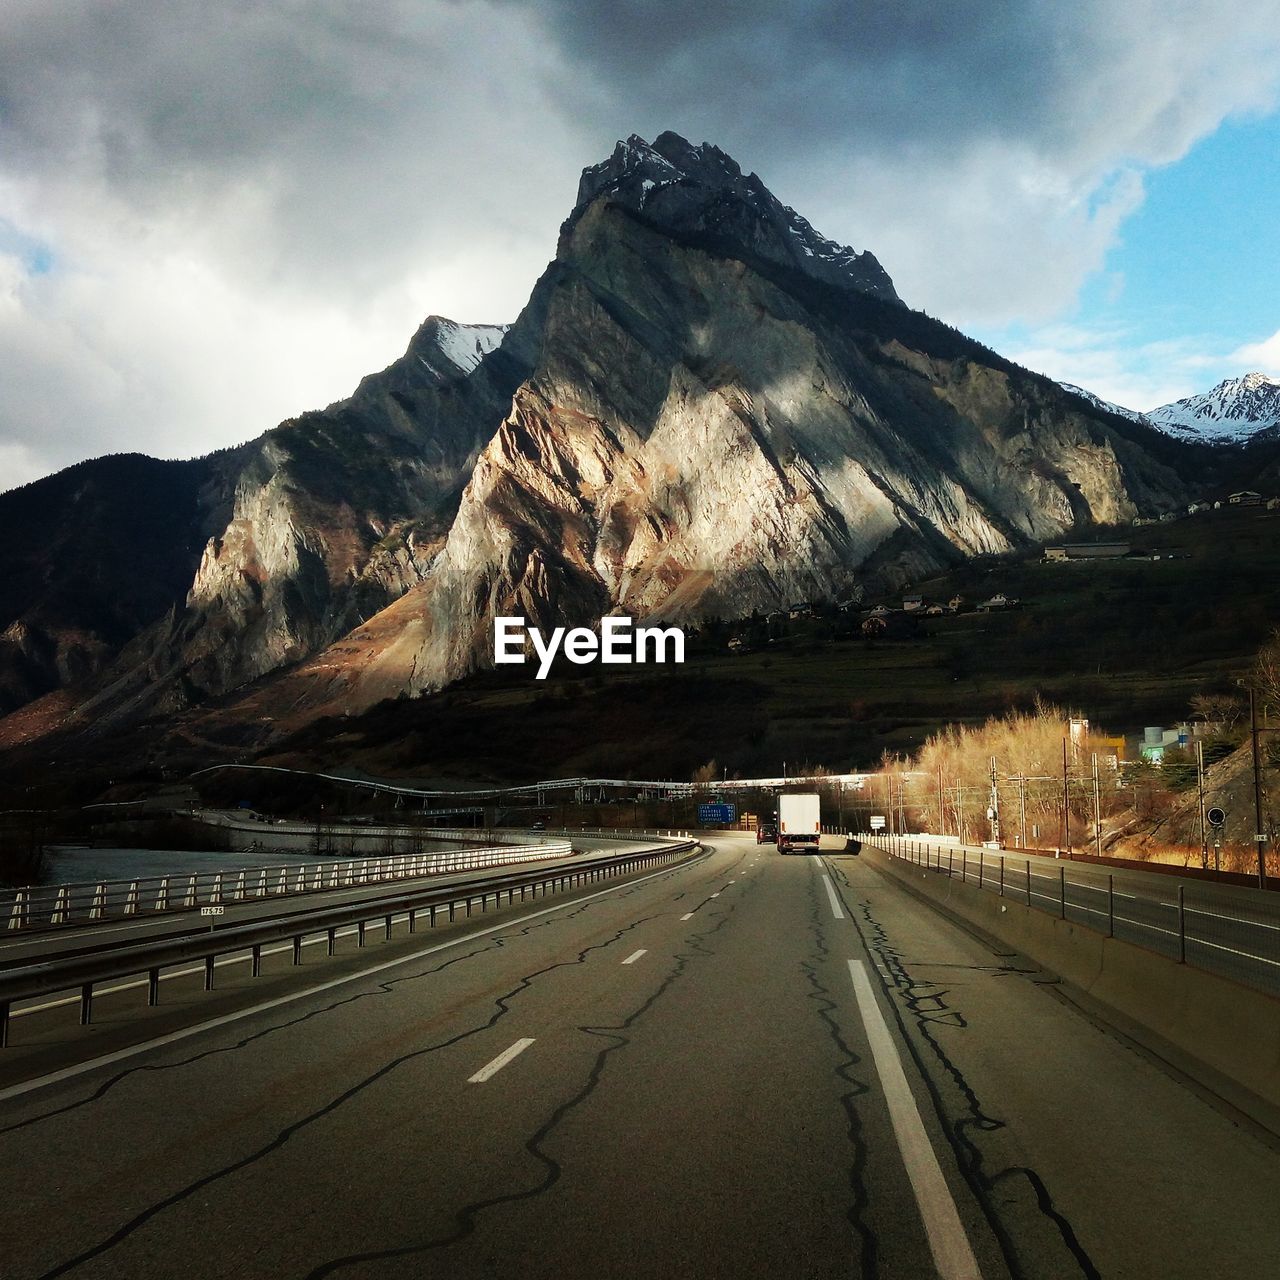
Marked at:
<point>766,833</point>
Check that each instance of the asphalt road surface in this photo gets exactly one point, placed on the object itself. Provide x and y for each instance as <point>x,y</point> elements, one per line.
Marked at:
<point>750,1066</point>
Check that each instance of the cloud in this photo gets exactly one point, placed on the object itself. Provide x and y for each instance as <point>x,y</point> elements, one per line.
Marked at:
<point>218,217</point>
<point>1117,365</point>
<point>1258,357</point>
<point>212,217</point>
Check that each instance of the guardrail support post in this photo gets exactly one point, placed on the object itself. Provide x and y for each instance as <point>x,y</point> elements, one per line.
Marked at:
<point>4,1024</point>
<point>18,915</point>
<point>255,964</point>
<point>964,866</point>
<point>297,948</point>
<point>1111,906</point>
<point>387,933</point>
<point>1002,875</point>
<point>1028,882</point>
<point>208,973</point>
<point>1182,924</point>
<point>452,911</point>
<point>153,988</point>
<point>1062,892</point>
<point>982,865</point>
<point>333,939</point>
<point>413,920</point>
<point>360,934</point>
<point>86,1004</point>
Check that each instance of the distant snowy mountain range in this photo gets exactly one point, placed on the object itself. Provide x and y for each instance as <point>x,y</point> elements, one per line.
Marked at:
<point>1234,412</point>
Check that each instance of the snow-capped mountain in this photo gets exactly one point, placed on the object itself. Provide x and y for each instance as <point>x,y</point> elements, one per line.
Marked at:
<point>700,189</point>
<point>1234,412</point>
<point>1099,403</point>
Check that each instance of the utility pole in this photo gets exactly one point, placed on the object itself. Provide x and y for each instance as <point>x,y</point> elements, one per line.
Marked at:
<point>1022,810</point>
<point>1066,802</point>
<point>1204,833</point>
<point>1259,830</point>
<point>1097,810</point>
<point>995,805</point>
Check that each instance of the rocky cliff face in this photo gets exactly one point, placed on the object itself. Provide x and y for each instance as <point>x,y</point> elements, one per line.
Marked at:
<point>705,409</point>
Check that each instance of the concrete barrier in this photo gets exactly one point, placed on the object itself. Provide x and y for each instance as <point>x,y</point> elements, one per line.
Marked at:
<point>1221,1033</point>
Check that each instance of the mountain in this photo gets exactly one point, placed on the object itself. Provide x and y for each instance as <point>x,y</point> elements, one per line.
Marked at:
<point>701,190</point>
<point>1234,412</point>
<point>705,408</point>
<point>1106,405</point>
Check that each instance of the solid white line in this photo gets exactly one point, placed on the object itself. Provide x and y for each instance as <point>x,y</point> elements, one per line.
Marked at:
<point>687,916</point>
<point>715,895</point>
<point>635,955</point>
<point>952,1256</point>
<point>174,1037</point>
<point>499,1062</point>
<point>835,902</point>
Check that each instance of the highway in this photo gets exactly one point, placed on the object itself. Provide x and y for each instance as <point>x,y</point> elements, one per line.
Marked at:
<point>748,1065</point>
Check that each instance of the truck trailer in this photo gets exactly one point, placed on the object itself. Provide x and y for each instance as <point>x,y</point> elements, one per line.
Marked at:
<point>799,821</point>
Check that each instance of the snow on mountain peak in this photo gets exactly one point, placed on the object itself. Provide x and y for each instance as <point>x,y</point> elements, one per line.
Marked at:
<point>1232,413</point>
<point>446,348</point>
<point>702,189</point>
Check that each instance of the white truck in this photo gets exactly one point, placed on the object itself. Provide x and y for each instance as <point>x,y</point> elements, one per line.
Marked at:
<point>798,821</point>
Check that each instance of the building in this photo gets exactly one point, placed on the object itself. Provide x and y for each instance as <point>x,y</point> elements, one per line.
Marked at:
<point>911,603</point>
<point>1087,551</point>
<point>1245,498</point>
<point>997,601</point>
<point>1196,507</point>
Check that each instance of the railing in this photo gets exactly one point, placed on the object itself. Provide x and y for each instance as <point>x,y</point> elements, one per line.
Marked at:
<point>88,902</point>
<point>83,972</point>
<point>1224,930</point>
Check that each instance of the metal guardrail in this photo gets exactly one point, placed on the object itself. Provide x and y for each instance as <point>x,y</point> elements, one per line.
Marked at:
<point>90,902</point>
<point>84,971</point>
<point>1219,928</point>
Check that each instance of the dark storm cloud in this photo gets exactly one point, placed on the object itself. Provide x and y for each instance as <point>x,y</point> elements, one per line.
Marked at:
<point>216,215</point>
<point>927,74</point>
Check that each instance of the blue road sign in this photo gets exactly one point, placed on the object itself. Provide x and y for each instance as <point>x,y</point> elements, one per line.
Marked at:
<point>712,813</point>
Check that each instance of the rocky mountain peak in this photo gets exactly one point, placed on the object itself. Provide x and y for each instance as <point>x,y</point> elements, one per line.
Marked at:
<point>701,189</point>
<point>1235,411</point>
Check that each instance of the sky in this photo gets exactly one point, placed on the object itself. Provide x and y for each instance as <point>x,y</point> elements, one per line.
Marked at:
<point>213,218</point>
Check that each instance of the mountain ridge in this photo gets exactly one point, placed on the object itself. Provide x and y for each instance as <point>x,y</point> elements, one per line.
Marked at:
<point>680,423</point>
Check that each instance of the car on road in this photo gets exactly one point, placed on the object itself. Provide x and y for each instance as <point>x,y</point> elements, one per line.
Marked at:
<point>538,826</point>
<point>766,833</point>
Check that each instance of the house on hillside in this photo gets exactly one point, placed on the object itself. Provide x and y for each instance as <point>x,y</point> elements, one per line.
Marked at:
<point>997,602</point>
<point>801,609</point>
<point>955,604</point>
<point>911,603</point>
<point>1245,498</point>
<point>1196,507</point>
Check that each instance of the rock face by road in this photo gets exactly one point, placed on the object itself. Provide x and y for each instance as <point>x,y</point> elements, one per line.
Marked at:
<point>705,409</point>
